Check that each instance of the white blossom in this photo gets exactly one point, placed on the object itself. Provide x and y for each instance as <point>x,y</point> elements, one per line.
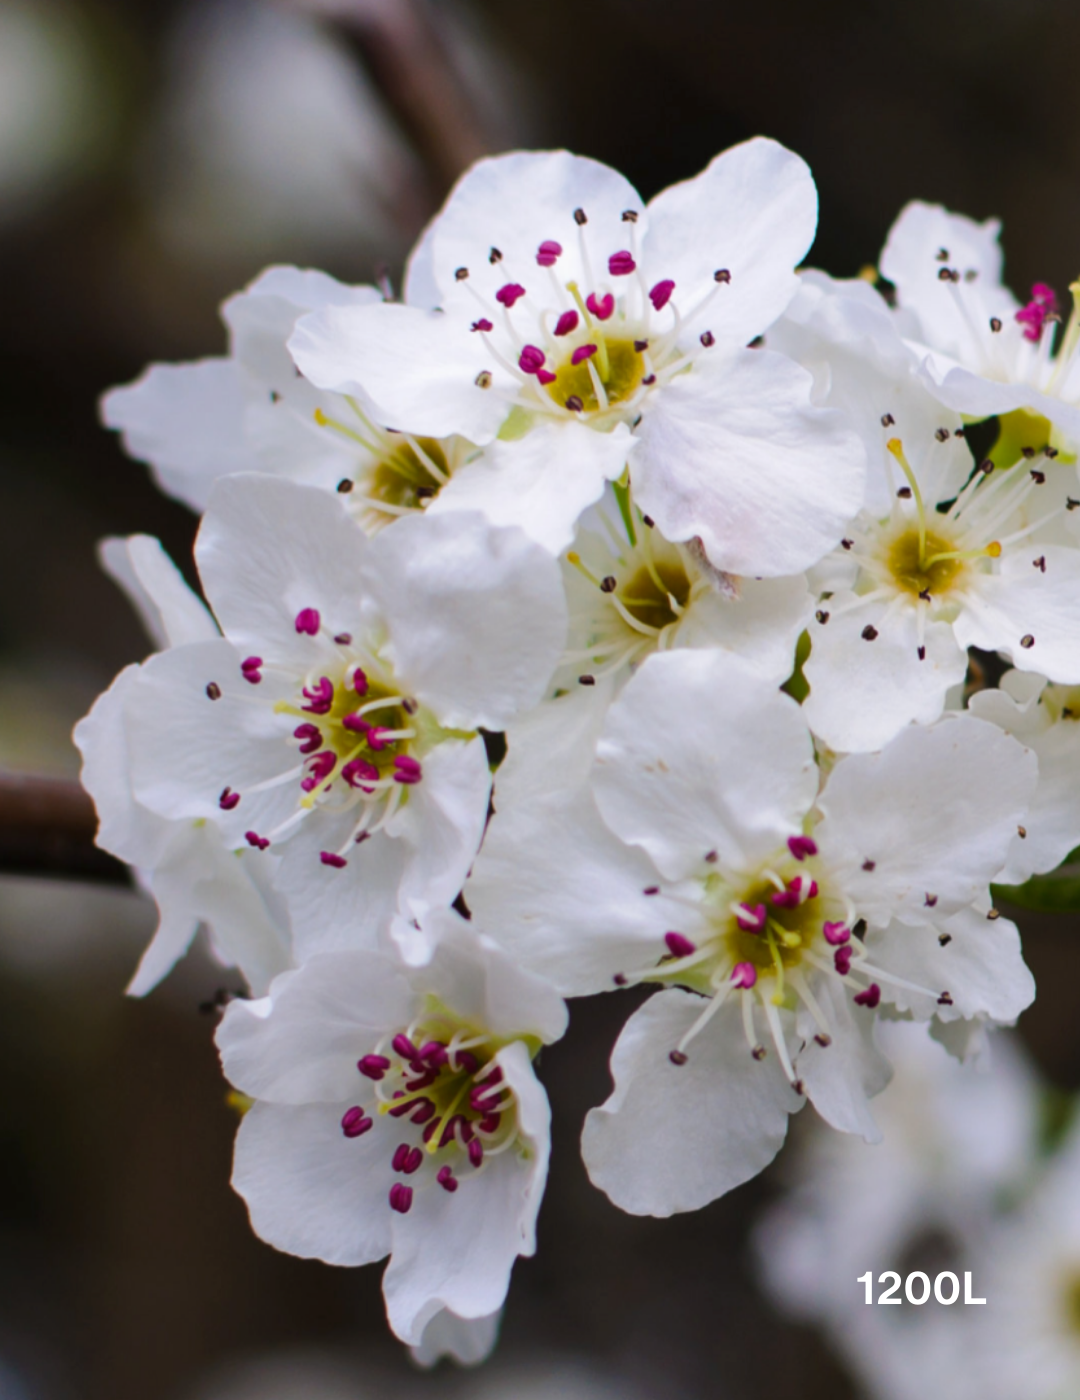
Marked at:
<point>396,1111</point>
<point>580,330</point>
<point>335,721</point>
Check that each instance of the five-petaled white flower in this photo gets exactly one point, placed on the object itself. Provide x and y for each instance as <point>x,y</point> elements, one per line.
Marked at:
<point>336,718</point>
<point>702,856</point>
<point>580,330</point>
<point>397,1112</point>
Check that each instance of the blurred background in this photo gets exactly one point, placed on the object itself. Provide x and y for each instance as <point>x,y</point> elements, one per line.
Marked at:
<point>154,156</point>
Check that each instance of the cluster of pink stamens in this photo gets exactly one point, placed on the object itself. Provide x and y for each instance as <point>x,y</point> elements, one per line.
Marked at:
<point>1042,307</point>
<point>371,767</point>
<point>441,1087</point>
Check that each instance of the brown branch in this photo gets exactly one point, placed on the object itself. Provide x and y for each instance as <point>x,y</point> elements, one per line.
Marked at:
<point>405,56</point>
<point>47,827</point>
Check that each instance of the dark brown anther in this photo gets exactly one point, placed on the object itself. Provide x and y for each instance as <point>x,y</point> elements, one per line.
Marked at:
<point>1070,503</point>
<point>707,339</point>
<point>944,939</point>
<point>722,275</point>
<point>759,1052</point>
<point>942,255</point>
<point>904,493</point>
<point>677,1057</point>
<point>649,521</point>
<point>822,616</point>
<point>869,633</point>
<point>945,275</point>
<point>994,914</point>
<point>847,544</point>
<point>640,345</point>
<point>1027,641</point>
<point>995,324</point>
<point>1027,452</point>
<point>574,404</point>
<point>924,594</point>
<point>887,420</point>
<point>629,216</point>
<point>712,857</point>
<point>1040,563</point>
<point>345,485</point>
<point>869,865</point>
<point>494,256</point>
<point>930,901</point>
<point>920,652</point>
<point>579,217</point>
<point>799,1087</point>
<point>586,680</point>
<point>275,397</point>
<point>213,691</point>
<point>942,434</point>
<point>608,583</point>
<point>986,466</point>
<point>649,379</point>
<point>619,979</point>
<point>958,432</point>
<point>409,705</point>
<point>945,999</point>
<point>483,379</point>
<point>652,889</point>
<point>343,639</point>
<point>1050,452</point>
<point>1021,831</point>
<point>971,274</point>
<point>823,1040</point>
<point>425,493</point>
<point>1038,477</point>
<point>460,274</point>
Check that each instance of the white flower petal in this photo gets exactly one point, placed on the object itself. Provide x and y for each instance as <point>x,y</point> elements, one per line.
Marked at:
<point>540,482</point>
<point>737,454</point>
<point>171,613</point>
<point>477,615</point>
<point>1022,601</point>
<point>699,754</point>
<point>186,422</point>
<point>863,693</point>
<point>309,1190</point>
<point>675,1137</point>
<point>920,829</point>
<point>752,211</point>
<point>515,202</point>
<point>980,966</point>
<point>268,548</point>
<point>415,370</point>
<point>301,1043</point>
<point>841,1077</point>
<point>468,1340</point>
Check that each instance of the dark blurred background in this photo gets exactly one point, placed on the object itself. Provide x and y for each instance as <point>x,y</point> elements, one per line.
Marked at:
<point>154,156</point>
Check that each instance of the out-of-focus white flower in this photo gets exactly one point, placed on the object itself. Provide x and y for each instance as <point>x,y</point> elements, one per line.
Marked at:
<point>397,1112</point>
<point>959,1142</point>
<point>580,330</point>
<point>699,854</point>
<point>271,139</point>
<point>185,863</point>
<point>337,716</point>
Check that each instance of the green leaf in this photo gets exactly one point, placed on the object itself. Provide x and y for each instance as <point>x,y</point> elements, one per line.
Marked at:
<point>1056,893</point>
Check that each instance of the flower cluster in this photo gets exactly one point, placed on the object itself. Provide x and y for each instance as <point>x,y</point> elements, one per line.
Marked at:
<point>621,606</point>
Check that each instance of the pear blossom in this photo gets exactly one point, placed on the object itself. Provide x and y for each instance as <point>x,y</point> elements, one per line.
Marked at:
<point>979,349</point>
<point>252,411</point>
<point>631,592</point>
<point>775,916</point>
<point>580,331</point>
<point>397,1112</point>
<point>960,558</point>
<point>335,721</point>
<point>184,864</point>
<point>1044,718</point>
